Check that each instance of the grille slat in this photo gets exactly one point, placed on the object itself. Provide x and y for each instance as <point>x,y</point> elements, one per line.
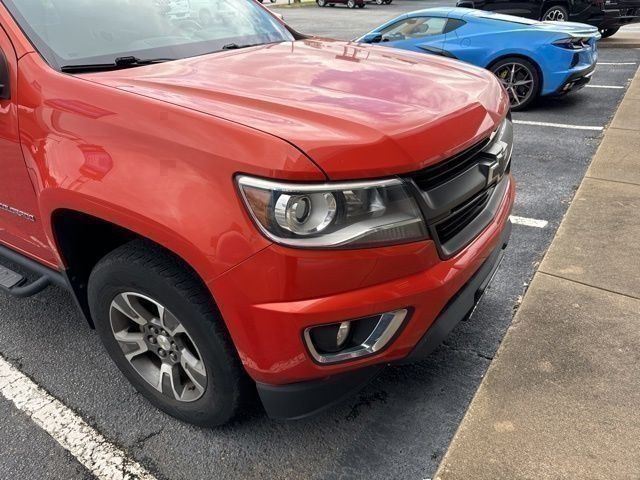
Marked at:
<point>462,216</point>
<point>436,175</point>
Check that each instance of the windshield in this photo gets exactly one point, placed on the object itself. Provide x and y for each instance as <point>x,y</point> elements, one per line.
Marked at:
<point>88,32</point>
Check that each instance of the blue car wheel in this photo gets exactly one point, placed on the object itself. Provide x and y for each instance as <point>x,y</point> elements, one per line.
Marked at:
<point>520,79</point>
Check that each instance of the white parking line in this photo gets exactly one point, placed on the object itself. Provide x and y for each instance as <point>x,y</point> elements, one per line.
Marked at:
<point>529,222</point>
<point>616,63</point>
<point>91,449</point>
<point>558,125</point>
<point>603,86</point>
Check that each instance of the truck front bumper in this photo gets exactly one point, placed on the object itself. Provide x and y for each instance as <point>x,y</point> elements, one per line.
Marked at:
<point>302,399</point>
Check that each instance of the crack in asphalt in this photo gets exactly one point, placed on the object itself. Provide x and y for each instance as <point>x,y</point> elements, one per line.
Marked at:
<point>467,350</point>
<point>139,442</point>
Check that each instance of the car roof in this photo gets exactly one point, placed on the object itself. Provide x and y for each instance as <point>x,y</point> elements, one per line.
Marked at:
<point>433,11</point>
<point>468,12</point>
<point>459,12</point>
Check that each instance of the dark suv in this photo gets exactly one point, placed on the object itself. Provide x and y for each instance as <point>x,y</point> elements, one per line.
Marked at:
<point>607,15</point>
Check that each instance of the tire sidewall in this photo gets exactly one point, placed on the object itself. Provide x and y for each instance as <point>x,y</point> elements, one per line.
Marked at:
<point>216,404</point>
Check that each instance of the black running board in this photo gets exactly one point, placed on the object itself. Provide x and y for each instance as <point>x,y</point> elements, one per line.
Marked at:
<point>16,285</point>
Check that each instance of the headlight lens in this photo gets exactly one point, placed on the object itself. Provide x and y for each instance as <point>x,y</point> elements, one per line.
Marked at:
<point>339,215</point>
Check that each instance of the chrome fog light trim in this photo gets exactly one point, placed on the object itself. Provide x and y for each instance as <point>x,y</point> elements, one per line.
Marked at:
<point>388,325</point>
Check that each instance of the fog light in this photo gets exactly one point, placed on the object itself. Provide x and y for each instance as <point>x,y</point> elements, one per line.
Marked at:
<point>331,338</point>
<point>353,339</point>
<point>343,333</point>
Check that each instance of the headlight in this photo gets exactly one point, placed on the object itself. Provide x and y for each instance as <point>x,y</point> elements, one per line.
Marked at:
<point>347,215</point>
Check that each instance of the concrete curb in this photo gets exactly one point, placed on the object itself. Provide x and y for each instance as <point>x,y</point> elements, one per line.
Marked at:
<point>560,397</point>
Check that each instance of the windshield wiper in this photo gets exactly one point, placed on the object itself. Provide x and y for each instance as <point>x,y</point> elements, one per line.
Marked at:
<point>119,62</point>
<point>235,46</point>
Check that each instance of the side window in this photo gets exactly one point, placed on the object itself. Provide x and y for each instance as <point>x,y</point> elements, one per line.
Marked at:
<point>453,24</point>
<point>417,27</point>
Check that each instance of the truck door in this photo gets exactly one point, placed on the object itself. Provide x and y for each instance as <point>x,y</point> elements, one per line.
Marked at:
<point>20,224</point>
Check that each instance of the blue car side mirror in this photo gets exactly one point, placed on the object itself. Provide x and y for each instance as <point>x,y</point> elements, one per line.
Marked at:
<point>372,38</point>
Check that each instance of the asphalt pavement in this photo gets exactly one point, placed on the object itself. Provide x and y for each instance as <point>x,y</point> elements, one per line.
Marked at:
<point>399,426</point>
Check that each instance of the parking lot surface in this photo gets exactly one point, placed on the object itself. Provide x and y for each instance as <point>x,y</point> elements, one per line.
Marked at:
<point>400,425</point>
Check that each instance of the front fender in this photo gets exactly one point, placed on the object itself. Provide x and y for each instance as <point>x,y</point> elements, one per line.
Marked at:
<point>161,171</point>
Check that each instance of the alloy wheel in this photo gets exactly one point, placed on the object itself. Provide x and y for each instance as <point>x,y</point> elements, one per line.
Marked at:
<point>555,15</point>
<point>351,4</point>
<point>517,80</point>
<point>158,346</point>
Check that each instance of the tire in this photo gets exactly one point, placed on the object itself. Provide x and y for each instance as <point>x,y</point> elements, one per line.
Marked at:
<point>556,13</point>
<point>351,3</point>
<point>388,2</point>
<point>321,3</point>
<point>211,387</point>
<point>361,5</point>
<point>524,71</point>
<point>608,32</point>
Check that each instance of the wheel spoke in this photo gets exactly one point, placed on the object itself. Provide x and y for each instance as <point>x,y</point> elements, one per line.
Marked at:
<point>132,344</point>
<point>169,381</point>
<point>122,304</point>
<point>516,98</point>
<point>132,306</point>
<point>170,323</point>
<point>194,369</point>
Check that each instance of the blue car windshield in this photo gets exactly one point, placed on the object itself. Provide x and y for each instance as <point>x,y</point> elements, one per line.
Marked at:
<point>81,32</point>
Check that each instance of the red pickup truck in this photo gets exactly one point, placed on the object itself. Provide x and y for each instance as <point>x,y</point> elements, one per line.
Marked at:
<point>236,206</point>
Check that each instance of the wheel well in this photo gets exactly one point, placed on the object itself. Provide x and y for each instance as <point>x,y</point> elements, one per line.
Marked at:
<point>524,57</point>
<point>83,240</point>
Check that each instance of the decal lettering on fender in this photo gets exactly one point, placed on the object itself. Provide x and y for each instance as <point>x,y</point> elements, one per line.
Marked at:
<point>16,212</point>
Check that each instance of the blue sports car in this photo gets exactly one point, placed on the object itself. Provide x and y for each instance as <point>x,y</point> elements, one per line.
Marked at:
<point>530,58</point>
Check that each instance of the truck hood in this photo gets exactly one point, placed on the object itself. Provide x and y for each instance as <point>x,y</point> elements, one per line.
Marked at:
<point>357,111</point>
